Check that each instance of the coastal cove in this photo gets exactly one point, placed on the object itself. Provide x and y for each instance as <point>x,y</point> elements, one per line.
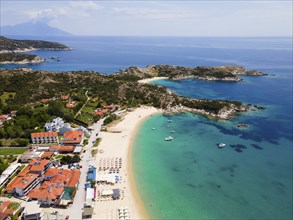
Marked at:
<point>187,176</point>
<point>249,178</point>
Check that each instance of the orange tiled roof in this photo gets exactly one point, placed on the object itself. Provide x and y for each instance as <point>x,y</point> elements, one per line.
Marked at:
<point>4,208</point>
<point>45,100</point>
<point>38,165</point>
<point>46,192</point>
<point>66,148</point>
<point>54,187</point>
<point>100,112</point>
<point>72,137</point>
<point>3,117</point>
<point>108,106</point>
<point>47,155</point>
<point>74,178</point>
<point>54,148</point>
<point>44,134</point>
<point>64,97</point>
<point>22,182</point>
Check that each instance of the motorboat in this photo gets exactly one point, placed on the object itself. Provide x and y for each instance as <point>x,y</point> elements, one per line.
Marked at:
<point>170,138</point>
<point>221,145</point>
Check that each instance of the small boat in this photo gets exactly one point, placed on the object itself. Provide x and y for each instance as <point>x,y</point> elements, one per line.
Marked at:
<point>169,120</point>
<point>172,131</point>
<point>153,128</point>
<point>221,145</point>
<point>170,138</point>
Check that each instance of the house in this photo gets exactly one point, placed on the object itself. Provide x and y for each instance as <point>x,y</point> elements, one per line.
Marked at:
<point>72,104</point>
<point>28,178</point>
<point>44,101</point>
<point>47,155</point>
<point>73,138</point>
<point>44,137</point>
<point>100,111</point>
<point>8,208</point>
<point>64,97</point>
<point>66,149</point>
<point>4,118</point>
<point>22,184</point>
<point>54,148</point>
<point>54,125</point>
<point>13,113</point>
<point>39,166</point>
<point>53,187</point>
<point>108,106</point>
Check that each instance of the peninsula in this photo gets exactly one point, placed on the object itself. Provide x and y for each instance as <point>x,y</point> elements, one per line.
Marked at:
<point>218,73</point>
<point>10,48</point>
<point>11,45</point>
<point>121,89</point>
<point>19,58</point>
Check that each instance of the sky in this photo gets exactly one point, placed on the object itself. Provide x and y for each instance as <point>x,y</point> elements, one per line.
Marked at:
<point>155,18</point>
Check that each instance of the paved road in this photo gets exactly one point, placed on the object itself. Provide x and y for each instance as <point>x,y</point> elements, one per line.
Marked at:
<point>75,210</point>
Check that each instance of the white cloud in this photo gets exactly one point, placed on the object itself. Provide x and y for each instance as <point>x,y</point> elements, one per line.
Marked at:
<point>158,13</point>
<point>72,10</point>
<point>87,5</point>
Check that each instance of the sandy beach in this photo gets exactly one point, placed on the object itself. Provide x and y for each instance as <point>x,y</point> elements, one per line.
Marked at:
<point>148,80</point>
<point>117,143</point>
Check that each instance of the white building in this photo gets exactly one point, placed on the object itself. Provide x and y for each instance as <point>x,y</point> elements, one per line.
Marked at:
<point>8,173</point>
<point>44,137</point>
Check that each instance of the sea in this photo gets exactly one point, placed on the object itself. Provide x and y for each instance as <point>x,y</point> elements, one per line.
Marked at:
<point>190,177</point>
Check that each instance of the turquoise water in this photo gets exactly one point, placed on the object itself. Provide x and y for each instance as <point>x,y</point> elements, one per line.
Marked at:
<point>250,178</point>
<point>189,177</point>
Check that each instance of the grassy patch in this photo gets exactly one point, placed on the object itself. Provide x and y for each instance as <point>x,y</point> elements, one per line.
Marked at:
<point>88,109</point>
<point>97,142</point>
<point>7,95</point>
<point>94,152</point>
<point>12,151</point>
<point>86,118</point>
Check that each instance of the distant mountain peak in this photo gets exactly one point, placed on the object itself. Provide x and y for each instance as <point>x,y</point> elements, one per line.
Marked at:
<point>33,28</point>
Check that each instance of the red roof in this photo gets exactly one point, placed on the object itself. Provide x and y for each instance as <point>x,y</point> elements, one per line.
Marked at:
<point>38,165</point>
<point>46,100</point>
<point>70,105</point>
<point>66,148</point>
<point>46,155</point>
<point>55,148</point>
<point>64,97</point>
<point>3,117</point>
<point>4,208</point>
<point>108,106</point>
<point>72,137</point>
<point>21,182</point>
<point>53,187</point>
<point>44,134</point>
<point>100,112</point>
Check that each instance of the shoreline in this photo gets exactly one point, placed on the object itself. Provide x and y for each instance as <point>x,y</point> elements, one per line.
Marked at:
<point>148,80</point>
<point>120,144</point>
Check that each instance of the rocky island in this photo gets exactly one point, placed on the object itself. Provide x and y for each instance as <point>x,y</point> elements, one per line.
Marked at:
<point>218,73</point>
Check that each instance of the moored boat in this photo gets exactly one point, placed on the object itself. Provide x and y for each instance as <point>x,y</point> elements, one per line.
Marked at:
<point>170,138</point>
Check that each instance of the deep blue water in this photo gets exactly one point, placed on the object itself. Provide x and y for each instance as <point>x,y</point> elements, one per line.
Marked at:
<point>109,54</point>
<point>251,178</point>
